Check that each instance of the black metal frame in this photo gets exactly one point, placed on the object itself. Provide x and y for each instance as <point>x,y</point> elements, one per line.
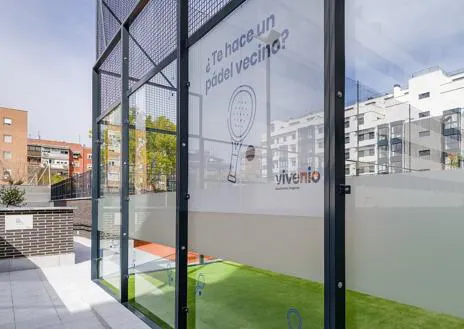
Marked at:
<point>334,171</point>
<point>334,184</point>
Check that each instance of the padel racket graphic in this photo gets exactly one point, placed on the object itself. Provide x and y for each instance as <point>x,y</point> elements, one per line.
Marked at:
<point>240,119</point>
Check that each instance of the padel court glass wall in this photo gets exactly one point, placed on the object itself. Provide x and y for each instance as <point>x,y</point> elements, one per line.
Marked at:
<point>228,134</point>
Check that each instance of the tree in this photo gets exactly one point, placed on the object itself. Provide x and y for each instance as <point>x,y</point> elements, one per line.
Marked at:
<point>12,195</point>
<point>455,160</point>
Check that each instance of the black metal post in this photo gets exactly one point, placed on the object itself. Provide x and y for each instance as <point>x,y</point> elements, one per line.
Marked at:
<point>95,247</point>
<point>182,165</point>
<point>334,180</point>
<point>409,137</point>
<point>357,127</point>
<point>124,180</point>
<point>269,162</point>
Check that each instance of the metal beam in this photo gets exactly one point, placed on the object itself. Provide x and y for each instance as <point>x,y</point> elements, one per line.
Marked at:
<point>127,22</point>
<point>182,165</point>
<point>95,246</point>
<point>154,71</point>
<point>334,172</point>
<point>124,181</point>
<point>215,20</point>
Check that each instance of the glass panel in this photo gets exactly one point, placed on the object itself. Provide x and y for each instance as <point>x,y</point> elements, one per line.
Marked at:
<point>152,205</point>
<point>404,221</point>
<point>109,203</point>
<point>256,240</point>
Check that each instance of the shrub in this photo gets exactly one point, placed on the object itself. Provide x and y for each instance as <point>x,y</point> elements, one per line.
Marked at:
<point>12,196</point>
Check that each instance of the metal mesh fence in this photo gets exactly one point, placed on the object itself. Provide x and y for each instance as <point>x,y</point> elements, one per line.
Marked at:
<point>168,76</point>
<point>77,186</point>
<point>155,31</point>
<point>356,92</point>
<point>101,42</point>
<point>111,79</point>
<point>200,11</point>
<point>110,24</point>
<point>121,8</point>
<point>139,62</point>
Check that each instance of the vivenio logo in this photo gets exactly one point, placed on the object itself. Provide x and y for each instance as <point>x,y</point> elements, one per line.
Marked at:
<point>292,180</point>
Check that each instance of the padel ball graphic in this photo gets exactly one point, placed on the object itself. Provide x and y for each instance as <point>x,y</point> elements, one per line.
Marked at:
<point>240,119</point>
<point>250,153</point>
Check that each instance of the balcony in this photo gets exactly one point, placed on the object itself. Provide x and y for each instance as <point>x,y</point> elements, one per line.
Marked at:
<point>396,140</point>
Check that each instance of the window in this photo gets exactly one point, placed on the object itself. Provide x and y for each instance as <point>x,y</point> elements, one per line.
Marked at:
<point>365,135</point>
<point>396,167</point>
<point>7,121</point>
<point>397,131</point>
<point>424,133</point>
<point>361,120</point>
<point>293,163</point>
<point>285,138</point>
<point>367,152</point>
<point>7,155</point>
<point>347,138</point>
<point>383,169</point>
<point>424,114</point>
<point>347,154</point>
<point>293,137</point>
<point>320,144</point>
<point>77,164</point>
<point>89,166</point>
<point>8,139</point>
<point>397,149</point>
<point>452,142</point>
<point>424,95</point>
<point>383,133</point>
<point>347,123</point>
<point>272,128</point>
<point>424,153</point>
<point>383,151</point>
<point>320,129</point>
<point>347,170</point>
<point>451,121</point>
<point>292,148</point>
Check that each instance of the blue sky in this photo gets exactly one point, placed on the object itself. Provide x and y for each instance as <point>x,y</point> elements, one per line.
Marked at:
<point>47,53</point>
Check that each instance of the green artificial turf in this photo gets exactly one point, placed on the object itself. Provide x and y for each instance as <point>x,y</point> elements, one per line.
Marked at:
<point>236,296</point>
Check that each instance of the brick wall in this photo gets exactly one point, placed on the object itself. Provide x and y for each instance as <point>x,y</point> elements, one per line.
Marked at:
<point>52,233</point>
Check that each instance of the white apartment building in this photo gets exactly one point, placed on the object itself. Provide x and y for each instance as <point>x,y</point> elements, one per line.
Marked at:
<point>389,133</point>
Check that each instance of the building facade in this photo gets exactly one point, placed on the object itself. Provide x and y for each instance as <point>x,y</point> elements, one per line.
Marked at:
<point>62,158</point>
<point>13,145</point>
<point>417,128</point>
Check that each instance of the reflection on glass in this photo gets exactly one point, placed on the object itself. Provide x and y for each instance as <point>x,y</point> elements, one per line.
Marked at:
<point>404,216</point>
<point>256,154</point>
<point>152,205</point>
<point>109,215</point>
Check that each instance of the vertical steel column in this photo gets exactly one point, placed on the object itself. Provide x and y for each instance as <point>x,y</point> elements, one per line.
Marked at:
<point>182,165</point>
<point>124,180</point>
<point>334,191</point>
<point>95,247</point>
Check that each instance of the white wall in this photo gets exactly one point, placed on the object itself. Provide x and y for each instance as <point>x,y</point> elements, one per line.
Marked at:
<point>404,238</point>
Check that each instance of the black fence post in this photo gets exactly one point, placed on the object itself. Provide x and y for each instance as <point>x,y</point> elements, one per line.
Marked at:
<point>182,165</point>
<point>334,171</point>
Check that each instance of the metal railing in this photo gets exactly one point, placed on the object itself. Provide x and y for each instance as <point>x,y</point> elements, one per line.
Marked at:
<point>77,186</point>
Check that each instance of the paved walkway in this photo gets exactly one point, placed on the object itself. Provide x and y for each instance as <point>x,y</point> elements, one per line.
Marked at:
<point>60,297</point>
